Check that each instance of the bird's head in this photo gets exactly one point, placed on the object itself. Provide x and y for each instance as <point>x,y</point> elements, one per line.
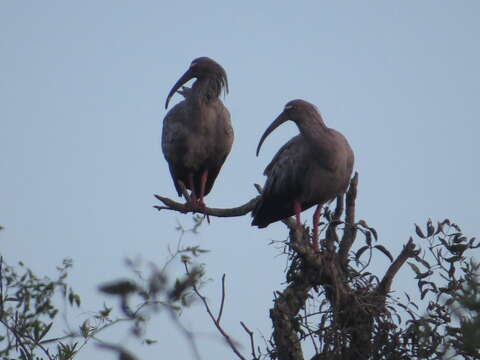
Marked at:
<point>203,68</point>
<point>294,110</point>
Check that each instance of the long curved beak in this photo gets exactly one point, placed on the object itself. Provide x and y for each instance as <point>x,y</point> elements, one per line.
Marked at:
<point>185,77</point>
<point>276,123</point>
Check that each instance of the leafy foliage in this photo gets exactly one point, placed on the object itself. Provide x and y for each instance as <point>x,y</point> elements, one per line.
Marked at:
<point>447,326</point>
<point>28,309</point>
<point>332,299</point>
<point>28,312</point>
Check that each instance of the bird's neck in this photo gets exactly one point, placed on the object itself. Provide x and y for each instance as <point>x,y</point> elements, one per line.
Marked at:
<point>317,134</point>
<point>205,90</point>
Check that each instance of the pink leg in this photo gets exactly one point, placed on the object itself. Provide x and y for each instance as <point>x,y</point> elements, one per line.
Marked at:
<point>193,198</point>
<point>203,181</point>
<point>316,220</point>
<point>298,209</point>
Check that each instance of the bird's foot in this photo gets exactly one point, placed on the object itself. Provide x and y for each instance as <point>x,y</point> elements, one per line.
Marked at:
<point>203,209</point>
<point>197,206</point>
<point>192,205</point>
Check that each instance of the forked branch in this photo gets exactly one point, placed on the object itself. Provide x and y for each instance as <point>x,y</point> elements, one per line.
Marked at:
<point>216,319</point>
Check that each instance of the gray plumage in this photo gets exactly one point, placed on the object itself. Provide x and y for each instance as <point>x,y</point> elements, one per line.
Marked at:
<point>310,169</point>
<point>197,133</point>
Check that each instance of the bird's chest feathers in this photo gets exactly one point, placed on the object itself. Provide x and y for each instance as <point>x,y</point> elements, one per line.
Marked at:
<point>203,138</point>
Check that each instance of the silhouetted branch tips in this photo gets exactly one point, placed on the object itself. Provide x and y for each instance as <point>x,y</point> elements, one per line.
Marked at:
<point>220,312</point>
<point>216,320</point>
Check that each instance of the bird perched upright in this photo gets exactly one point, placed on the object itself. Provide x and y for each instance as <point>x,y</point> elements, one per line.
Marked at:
<point>310,169</point>
<point>197,133</point>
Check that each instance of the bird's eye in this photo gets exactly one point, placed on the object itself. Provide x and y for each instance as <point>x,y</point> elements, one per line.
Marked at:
<point>193,64</point>
<point>290,107</point>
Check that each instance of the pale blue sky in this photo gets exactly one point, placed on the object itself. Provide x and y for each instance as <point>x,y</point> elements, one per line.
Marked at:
<point>82,88</point>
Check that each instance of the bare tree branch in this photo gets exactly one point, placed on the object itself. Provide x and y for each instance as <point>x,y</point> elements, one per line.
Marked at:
<point>227,212</point>
<point>407,252</point>
<point>350,229</point>
<point>252,341</point>
<point>227,337</point>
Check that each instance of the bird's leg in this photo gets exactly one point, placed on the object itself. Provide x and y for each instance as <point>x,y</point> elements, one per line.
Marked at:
<point>201,204</point>
<point>316,220</point>
<point>203,181</point>
<point>193,198</point>
<point>297,208</point>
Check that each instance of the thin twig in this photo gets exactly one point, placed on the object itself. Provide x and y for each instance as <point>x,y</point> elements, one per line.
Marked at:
<point>214,320</point>
<point>252,341</point>
<point>19,340</point>
<point>407,252</point>
<point>219,317</point>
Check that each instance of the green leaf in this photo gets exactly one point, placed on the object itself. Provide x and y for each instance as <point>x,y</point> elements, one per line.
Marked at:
<point>361,251</point>
<point>120,287</point>
<point>368,238</point>
<point>424,292</point>
<point>385,251</point>
<point>414,267</point>
<point>44,332</point>
<point>430,228</point>
<point>453,259</point>
<point>419,231</point>
<point>85,329</point>
<point>424,275</point>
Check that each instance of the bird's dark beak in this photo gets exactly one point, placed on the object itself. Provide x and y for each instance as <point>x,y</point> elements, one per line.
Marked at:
<point>276,123</point>
<point>185,77</point>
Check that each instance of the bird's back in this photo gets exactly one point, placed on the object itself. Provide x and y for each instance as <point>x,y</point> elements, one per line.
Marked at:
<point>300,173</point>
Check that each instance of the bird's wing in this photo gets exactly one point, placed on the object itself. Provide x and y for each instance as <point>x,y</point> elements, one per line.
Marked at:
<point>174,142</point>
<point>172,130</point>
<point>286,175</point>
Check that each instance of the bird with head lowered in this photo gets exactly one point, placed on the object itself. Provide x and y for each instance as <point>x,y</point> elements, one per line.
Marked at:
<point>197,133</point>
<point>312,168</point>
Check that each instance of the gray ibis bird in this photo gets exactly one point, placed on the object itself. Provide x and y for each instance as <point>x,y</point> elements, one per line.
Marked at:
<point>197,133</point>
<point>310,169</point>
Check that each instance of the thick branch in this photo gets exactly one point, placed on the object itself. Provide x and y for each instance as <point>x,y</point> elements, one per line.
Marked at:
<point>407,252</point>
<point>350,230</point>
<point>228,212</point>
<point>339,208</point>
<point>287,305</point>
<point>317,269</point>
